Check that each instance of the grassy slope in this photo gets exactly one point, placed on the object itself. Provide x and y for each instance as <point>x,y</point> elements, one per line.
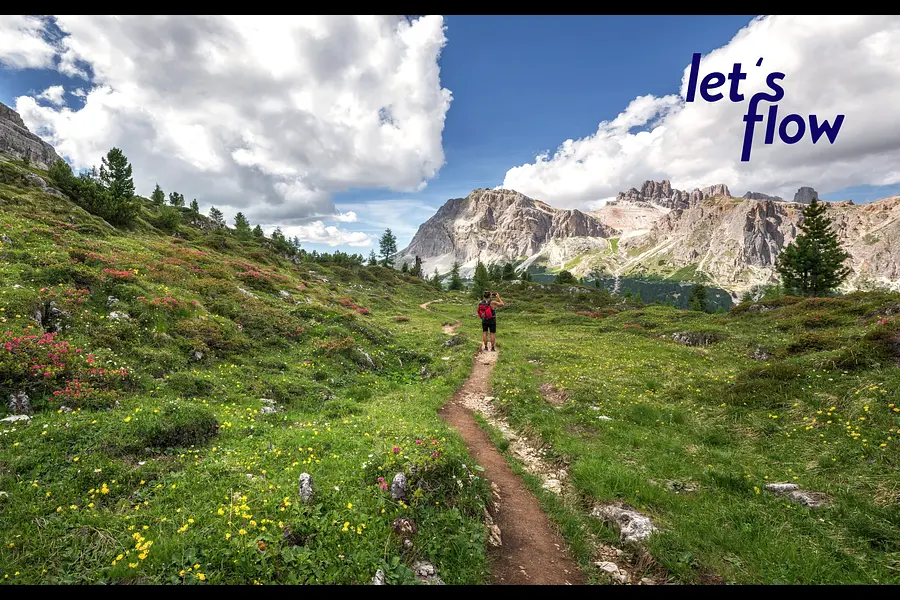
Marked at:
<point>822,413</point>
<point>186,460</point>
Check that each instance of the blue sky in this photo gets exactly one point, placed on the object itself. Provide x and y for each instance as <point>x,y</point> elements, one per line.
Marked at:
<point>521,85</point>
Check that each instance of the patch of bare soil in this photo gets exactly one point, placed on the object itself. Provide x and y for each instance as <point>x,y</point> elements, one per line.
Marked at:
<point>553,394</point>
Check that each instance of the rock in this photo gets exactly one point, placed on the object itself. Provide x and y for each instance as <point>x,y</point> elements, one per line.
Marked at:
<point>6,240</point>
<point>306,488</point>
<point>604,418</point>
<point>267,410</point>
<point>805,195</point>
<point>379,578</point>
<point>284,294</point>
<point>426,573</point>
<point>679,487</point>
<point>398,487</point>
<point>613,570</point>
<point>65,409</point>
<point>19,404</point>
<point>454,341</point>
<point>761,354</point>
<point>404,527</point>
<point>111,300</point>
<point>720,189</point>
<point>38,317</point>
<point>552,485</point>
<point>809,499</point>
<point>116,315</point>
<point>245,292</point>
<point>633,526</point>
<point>761,196</point>
<point>781,488</point>
<point>198,355</point>
<point>16,140</point>
<point>694,338</point>
<point>15,418</point>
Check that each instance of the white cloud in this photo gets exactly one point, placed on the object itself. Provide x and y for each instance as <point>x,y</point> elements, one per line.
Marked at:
<point>269,115</point>
<point>22,45</point>
<point>834,65</point>
<point>318,233</point>
<point>55,95</point>
<point>347,217</point>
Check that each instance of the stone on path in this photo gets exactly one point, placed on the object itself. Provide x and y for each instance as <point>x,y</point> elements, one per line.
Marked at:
<point>633,526</point>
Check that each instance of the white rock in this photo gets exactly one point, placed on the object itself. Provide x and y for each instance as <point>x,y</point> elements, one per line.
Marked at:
<point>14,418</point>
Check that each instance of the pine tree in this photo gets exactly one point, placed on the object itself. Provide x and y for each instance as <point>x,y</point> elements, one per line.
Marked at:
<point>277,235</point>
<point>241,226</point>
<point>373,259</point>
<point>176,199</point>
<point>388,247</point>
<point>697,298</point>
<point>404,268</point>
<point>509,273</point>
<point>217,217</point>
<point>456,283</point>
<point>565,277</point>
<point>417,268</point>
<point>524,275</point>
<point>115,175</point>
<point>436,280</point>
<point>158,196</point>
<point>480,281</point>
<point>813,263</point>
<point>495,272</point>
<point>195,207</point>
<point>258,232</point>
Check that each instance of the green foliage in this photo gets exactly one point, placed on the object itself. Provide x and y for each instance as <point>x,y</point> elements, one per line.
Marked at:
<point>697,299</point>
<point>115,176</point>
<point>109,195</point>
<point>388,248</point>
<point>509,273</point>
<point>169,218</point>
<point>158,197</point>
<point>242,226</point>
<point>495,272</point>
<point>813,263</point>
<point>373,259</point>
<point>258,232</point>
<point>436,280</point>
<point>417,267</point>
<point>216,217</point>
<point>456,283</point>
<point>480,281</point>
<point>176,199</point>
<point>565,278</point>
<point>195,207</point>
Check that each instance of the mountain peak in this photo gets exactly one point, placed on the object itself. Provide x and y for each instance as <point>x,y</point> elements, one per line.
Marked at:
<point>18,142</point>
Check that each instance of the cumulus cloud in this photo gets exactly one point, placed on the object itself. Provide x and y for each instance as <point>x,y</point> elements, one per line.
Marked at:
<point>318,233</point>
<point>268,115</point>
<point>55,95</point>
<point>23,44</point>
<point>847,65</point>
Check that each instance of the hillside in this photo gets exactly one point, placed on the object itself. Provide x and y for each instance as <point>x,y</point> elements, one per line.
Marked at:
<point>180,381</point>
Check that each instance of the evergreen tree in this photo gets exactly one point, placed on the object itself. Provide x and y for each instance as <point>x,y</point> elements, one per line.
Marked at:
<point>158,196</point>
<point>417,268</point>
<point>436,280</point>
<point>195,207</point>
<point>509,273</point>
<point>278,235</point>
<point>373,259</point>
<point>525,275</point>
<point>697,298</point>
<point>404,268</point>
<point>813,263</point>
<point>388,247</point>
<point>258,232</point>
<point>115,175</point>
<point>241,226</point>
<point>217,217</point>
<point>565,278</point>
<point>495,272</point>
<point>176,199</point>
<point>456,283</point>
<point>481,280</point>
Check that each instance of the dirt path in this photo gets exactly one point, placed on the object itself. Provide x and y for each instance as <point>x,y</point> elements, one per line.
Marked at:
<point>451,329</point>
<point>425,305</point>
<point>531,550</point>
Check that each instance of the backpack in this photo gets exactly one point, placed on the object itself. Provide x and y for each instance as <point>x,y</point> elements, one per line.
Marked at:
<point>485,311</point>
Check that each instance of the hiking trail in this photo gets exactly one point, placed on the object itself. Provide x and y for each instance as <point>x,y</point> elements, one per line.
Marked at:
<point>530,550</point>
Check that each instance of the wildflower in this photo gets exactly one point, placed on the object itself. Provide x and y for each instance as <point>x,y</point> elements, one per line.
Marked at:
<point>201,576</point>
<point>242,532</point>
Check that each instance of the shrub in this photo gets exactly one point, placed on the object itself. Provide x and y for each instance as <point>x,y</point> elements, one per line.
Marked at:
<point>169,218</point>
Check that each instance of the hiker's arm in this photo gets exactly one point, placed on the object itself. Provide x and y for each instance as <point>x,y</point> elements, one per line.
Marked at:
<point>498,301</point>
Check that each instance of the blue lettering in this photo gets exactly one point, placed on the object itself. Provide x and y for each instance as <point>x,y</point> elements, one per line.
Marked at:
<point>801,129</point>
<point>711,82</point>
<point>831,131</point>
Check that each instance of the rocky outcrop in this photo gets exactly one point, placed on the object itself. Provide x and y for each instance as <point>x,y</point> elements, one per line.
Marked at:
<point>18,142</point>
<point>761,196</point>
<point>805,195</point>
<point>495,226</point>
<point>661,193</point>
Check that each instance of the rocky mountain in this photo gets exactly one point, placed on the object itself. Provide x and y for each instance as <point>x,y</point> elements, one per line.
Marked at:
<point>705,234</point>
<point>499,225</point>
<point>18,142</point>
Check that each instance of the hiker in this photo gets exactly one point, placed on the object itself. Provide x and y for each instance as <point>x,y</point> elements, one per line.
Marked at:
<point>487,312</point>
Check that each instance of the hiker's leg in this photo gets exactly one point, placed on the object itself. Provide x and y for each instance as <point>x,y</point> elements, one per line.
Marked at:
<point>484,338</point>
<point>493,340</point>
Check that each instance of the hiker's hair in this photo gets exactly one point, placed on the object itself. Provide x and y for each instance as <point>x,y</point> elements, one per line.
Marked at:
<point>487,294</point>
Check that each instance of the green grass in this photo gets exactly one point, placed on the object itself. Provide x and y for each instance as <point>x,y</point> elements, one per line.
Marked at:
<point>166,443</point>
<point>729,425</point>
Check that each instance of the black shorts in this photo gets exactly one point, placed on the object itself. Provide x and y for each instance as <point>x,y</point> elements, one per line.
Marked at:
<point>489,325</point>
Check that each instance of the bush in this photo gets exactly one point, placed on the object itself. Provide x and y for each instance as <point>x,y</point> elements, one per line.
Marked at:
<point>169,218</point>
